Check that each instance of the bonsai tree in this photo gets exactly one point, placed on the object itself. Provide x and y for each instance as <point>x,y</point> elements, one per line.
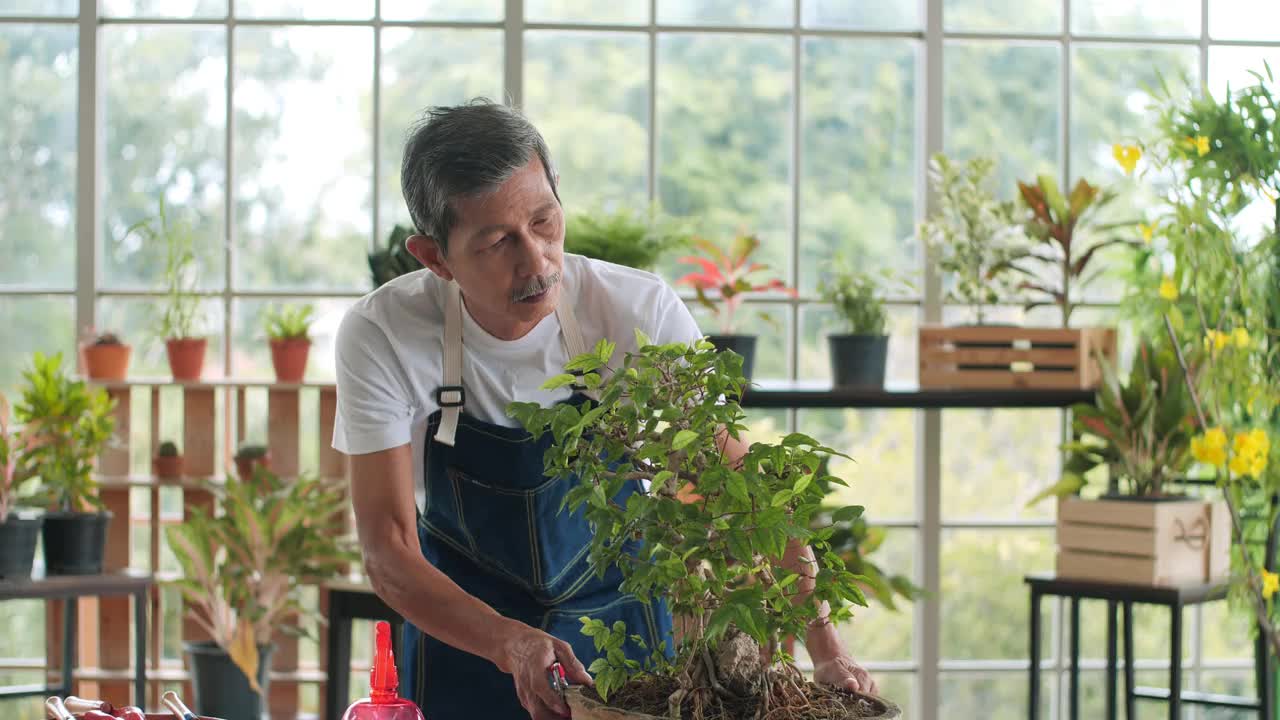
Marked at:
<point>394,260</point>
<point>717,558</point>
<point>1138,431</point>
<point>976,236</point>
<point>1058,267</point>
<point>725,274</point>
<point>68,424</point>
<point>621,237</point>
<point>242,570</point>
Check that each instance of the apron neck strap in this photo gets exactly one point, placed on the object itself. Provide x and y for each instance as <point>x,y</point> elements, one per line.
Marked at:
<point>451,396</point>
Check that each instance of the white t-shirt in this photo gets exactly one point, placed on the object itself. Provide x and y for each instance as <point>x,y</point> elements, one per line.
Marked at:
<point>390,350</point>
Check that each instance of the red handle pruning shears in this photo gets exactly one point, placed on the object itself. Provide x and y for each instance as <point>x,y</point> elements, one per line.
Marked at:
<point>557,679</point>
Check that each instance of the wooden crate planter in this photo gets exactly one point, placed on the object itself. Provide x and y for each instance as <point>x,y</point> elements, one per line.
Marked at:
<point>997,358</point>
<point>1130,541</point>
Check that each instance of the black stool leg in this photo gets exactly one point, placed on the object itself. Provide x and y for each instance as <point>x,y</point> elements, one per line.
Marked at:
<point>1033,692</point>
<point>336,688</point>
<point>1074,705</point>
<point>1111,660</point>
<point>1130,712</point>
<point>1175,667</point>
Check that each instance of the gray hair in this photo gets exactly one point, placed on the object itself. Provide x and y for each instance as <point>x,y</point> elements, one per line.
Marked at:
<point>464,151</point>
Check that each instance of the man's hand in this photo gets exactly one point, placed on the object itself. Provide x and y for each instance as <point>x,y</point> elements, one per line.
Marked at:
<point>843,672</point>
<point>528,654</point>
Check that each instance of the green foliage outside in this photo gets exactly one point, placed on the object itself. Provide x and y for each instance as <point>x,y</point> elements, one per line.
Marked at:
<point>69,424</point>
<point>622,237</point>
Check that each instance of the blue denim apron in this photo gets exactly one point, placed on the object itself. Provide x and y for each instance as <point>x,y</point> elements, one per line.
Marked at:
<point>491,521</point>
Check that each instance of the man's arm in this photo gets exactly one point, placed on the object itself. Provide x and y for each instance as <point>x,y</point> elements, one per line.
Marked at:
<point>382,495</point>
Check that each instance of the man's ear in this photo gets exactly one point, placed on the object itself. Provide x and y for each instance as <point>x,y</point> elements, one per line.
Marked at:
<point>429,253</point>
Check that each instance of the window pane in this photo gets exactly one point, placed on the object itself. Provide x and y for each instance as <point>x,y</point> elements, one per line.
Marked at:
<point>165,8</point>
<point>134,319</point>
<point>1159,18</point>
<point>30,323</point>
<point>995,461</point>
<point>982,579</point>
<point>308,10</point>
<point>1240,683</point>
<point>857,200</point>
<point>618,12</point>
<point>887,15</point>
<point>38,138</point>
<point>819,321</point>
<point>724,158</point>
<point>252,356</point>
<point>1024,16</point>
<point>1004,100</point>
<point>997,695</point>
<point>876,632</point>
<point>51,8</point>
<point>882,443</point>
<point>1227,632</point>
<point>725,12</point>
<point>442,9</point>
<point>1235,65</point>
<point>1244,20</point>
<point>303,215</point>
<point>423,67</point>
<point>588,94</point>
<point>166,135</point>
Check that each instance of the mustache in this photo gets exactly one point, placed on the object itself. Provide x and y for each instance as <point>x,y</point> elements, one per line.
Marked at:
<point>539,284</point>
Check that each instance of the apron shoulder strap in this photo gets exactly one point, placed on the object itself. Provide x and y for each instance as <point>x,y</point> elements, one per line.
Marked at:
<point>451,396</point>
<point>573,341</point>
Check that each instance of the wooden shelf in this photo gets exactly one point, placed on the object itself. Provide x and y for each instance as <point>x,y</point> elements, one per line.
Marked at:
<point>815,395</point>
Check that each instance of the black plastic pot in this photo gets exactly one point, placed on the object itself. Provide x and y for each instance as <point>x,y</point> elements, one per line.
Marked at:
<point>221,688</point>
<point>74,542</point>
<point>744,345</point>
<point>18,547</point>
<point>858,360</point>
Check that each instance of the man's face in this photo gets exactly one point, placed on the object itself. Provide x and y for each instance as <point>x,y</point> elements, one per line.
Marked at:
<point>506,252</point>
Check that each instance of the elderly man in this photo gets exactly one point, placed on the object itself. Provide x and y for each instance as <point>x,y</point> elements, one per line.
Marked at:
<point>459,527</point>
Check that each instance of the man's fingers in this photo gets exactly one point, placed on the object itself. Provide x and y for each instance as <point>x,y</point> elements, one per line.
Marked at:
<point>545,695</point>
<point>549,708</point>
<point>574,671</point>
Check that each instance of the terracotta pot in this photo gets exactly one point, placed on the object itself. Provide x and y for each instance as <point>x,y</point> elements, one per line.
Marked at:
<point>186,357</point>
<point>584,708</point>
<point>244,466</point>
<point>105,362</point>
<point>289,358</point>
<point>168,466</point>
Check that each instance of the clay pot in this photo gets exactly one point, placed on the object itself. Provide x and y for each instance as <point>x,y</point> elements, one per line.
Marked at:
<point>245,466</point>
<point>108,361</point>
<point>289,358</point>
<point>168,467</point>
<point>186,357</point>
<point>584,708</point>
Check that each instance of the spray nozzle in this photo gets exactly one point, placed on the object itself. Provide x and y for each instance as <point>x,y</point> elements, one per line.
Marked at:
<point>383,679</point>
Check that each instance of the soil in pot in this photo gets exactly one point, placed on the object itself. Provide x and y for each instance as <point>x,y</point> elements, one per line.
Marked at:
<point>858,360</point>
<point>645,698</point>
<point>221,689</point>
<point>18,547</point>
<point>186,357</point>
<point>744,345</point>
<point>74,542</point>
<point>289,358</point>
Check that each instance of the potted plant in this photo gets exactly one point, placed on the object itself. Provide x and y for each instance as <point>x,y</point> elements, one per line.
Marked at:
<point>394,260</point>
<point>980,242</point>
<point>858,355</point>
<point>168,464</point>
<point>242,575</point>
<point>18,533</point>
<point>716,561</point>
<point>725,275</point>
<point>1137,437</point>
<point>288,330</point>
<point>177,315</point>
<point>249,456</point>
<point>69,424</point>
<point>105,357</point>
<point>621,237</point>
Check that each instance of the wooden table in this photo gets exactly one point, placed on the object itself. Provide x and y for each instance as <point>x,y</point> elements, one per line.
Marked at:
<point>68,588</point>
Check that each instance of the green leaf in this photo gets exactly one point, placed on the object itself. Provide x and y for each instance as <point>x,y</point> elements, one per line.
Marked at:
<point>1068,484</point>
<point>781,497</point>
<point>683,438</point>
<point>737,487</point>
<point>847,513</point>
<point>559,381</point>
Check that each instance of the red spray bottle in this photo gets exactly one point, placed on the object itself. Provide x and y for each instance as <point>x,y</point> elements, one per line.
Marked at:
<point>383,702</point>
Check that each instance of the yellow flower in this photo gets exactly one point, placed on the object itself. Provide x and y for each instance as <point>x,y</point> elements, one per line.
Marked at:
<point>1147,232</point>
<point>1127,156</point>
<point>1241,337</point>
<point>1270,584</point>
<point>1202,145</point>
<point>1211,447</point>
<point>1240,465</point>
<point>1260,440</point>
<point>1258,466</point>
<point>1214,340</point>
<point>1252,442</point>
<point>1168,290</point>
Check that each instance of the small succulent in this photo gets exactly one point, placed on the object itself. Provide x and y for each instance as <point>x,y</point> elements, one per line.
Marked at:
<point>167,449</point>
<point>107,338</point>
<point>251,452</point>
